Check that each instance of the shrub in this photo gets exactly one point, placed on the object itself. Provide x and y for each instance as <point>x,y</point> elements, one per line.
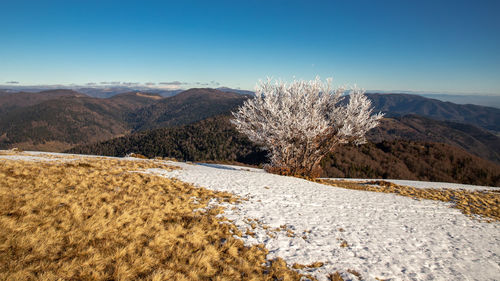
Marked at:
<point>299,123</point>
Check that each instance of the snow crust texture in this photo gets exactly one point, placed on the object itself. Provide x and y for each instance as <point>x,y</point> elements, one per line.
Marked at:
<point>386,236</point>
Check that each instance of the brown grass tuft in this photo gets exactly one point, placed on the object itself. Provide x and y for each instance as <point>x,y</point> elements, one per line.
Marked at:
<point>94,220</point>
<point>287,171</point>
<point>312,265</point>
<point>344,244</point>
<point>136,155</point>
<point>355,273</point>
<point>335,277</point>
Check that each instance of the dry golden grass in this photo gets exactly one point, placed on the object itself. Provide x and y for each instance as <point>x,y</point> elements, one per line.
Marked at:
<point>335,277</point>
<point>312,265</point>
<point>483,203</point>
<point>91,219</point>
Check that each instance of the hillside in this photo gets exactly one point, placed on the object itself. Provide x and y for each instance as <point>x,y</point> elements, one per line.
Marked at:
<point>187,107</point>
<point>411,160</point>
<point>63,122</point>
<point>473,139</point>
<point>215,139</point>
<point>58,120</point>
<point>10,101</point>
<point>84,218</point>
<point>211,139</point>
<point>403,104</point>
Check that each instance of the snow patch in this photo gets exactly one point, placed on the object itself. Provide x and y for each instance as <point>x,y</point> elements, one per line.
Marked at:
<point>387,236</point>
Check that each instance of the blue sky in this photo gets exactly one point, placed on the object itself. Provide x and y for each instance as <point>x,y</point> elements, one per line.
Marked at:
<point>441,46</point>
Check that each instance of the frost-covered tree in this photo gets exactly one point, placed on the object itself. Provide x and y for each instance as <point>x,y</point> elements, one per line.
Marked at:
<point>299,123</point>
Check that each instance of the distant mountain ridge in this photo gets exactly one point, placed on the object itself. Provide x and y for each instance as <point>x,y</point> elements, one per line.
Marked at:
<point>237,91</point>
<point>403,104</point>
<point>470,138</point>
<point>11,101</point>
<point>68,120</point>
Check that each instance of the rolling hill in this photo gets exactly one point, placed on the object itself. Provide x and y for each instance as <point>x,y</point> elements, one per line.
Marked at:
<point>10,101</point>
<point>474,140</point>
<point>413,161</point>
<point>403,104</point>
<point>64,121</point>
<point>215,139</point>
<point>187,107</point>
<point>58,120</point>
<point>210,139</point>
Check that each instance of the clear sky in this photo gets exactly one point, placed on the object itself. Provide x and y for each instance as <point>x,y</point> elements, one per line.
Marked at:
<point>387,45</point>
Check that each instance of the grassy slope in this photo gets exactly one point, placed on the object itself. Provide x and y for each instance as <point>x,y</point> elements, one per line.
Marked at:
<point>93,220</point>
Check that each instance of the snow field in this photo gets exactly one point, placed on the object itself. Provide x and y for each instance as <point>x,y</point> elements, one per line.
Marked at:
<point>388,236</point>
<point>376,234</point>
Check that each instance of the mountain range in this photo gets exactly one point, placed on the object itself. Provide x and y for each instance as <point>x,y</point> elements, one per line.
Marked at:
<point>58,120</point>
<point>402,104</point>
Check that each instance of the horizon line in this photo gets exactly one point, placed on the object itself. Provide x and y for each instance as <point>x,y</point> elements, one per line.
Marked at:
<point>169,86</point>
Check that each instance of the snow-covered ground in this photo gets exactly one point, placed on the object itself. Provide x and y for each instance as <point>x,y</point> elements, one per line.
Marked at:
<point>388,236</point>
<point>32,158</point>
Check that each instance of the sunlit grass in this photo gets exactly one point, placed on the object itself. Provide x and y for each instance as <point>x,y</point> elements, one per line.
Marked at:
<point>92,219</point>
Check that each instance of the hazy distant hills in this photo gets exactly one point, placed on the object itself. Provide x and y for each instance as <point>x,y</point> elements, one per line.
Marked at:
<point>237,91</point>
<point>92,91</point>
<point>215,139</point>
<point>402,104</point>
<point>112,91</point>
<point>10,101</point>
<point>478,99</point>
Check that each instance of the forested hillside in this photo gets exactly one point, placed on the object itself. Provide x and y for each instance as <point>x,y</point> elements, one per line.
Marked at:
<point>411,160</point>
<point>472,139</point>
<point>211,139</point>
<point>187,107</point>
<point>57,120</point>
<point>215,139</point>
